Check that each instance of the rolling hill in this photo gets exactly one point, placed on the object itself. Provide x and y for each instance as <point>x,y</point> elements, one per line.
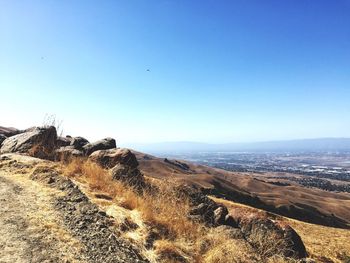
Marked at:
<point>306,204</point>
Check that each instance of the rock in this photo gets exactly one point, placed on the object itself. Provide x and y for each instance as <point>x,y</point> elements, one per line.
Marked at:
<point>129,175</point>
<point>203,208</point>
<point>206,213</point>
<point>2,138</point>
<point>104,144</point>
<point>9,131</point>
<point>259,232</point>
<point>297,247</point>
<point>229,221</point>
<point>220,214</point>
<point>63,141</point>
<point>110,158</point>
<point>78,142</point>
<point>41,141</point>
<point>67,152</point>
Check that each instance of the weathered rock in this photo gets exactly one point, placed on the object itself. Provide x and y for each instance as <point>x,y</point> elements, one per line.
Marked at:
<point>129,175</point>
<point>67,152</point>
<point>203,208</point>
<point>2,138</point>
<point>9,131</point>
<point>283,240</point>
<point>210,213</point>
<point>229,221</point>
<point>78,142</point>
<point>220,214</point>
<point>104,144</point>
<point>40,139</point>
<point>110,158</point>
<point>296,245</point>
<point>63,141</point>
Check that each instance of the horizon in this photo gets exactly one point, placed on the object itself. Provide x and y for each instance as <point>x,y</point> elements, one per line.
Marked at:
<point>163,71</point>
<point>301,145</point>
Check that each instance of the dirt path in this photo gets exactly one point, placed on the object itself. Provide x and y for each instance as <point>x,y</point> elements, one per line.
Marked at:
<point>28,231</point>
<point>44,217</point>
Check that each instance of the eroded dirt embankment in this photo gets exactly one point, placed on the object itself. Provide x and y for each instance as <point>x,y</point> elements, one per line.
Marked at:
<point>44,217</point>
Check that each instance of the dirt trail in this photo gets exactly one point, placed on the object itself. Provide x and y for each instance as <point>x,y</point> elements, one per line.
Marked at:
<point>44,217</point>
<point>28,231</point>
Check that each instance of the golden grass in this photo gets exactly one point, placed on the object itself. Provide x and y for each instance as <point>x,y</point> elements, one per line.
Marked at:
<point>218,247</point>
<point>162,208</point>
<point>176,238</point>
<point>324,244</point>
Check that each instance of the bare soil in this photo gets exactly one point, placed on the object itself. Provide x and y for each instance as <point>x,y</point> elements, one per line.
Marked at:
<point>44,217</point>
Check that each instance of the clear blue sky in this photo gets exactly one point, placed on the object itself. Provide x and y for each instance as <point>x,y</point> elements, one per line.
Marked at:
<point>220,71</point>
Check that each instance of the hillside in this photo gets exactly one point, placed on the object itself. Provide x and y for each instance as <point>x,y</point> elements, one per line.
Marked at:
<point>324,244</point>
<point>65,199</point>
<point>310,205</point>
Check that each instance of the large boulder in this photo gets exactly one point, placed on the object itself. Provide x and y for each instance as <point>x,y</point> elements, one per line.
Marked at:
<point>271,238</point>
<point>211,214</point>
<point>104,144</point>
<point>78,142</point>
<point>128,175</point>
<point>39,142</point>
<point>66,153</point>
<point>112,157</point>
<point>295,243</point>
<point>63,141</point>
<point>204,209</point>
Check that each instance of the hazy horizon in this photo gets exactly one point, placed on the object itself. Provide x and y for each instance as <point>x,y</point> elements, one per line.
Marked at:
<point>156,71</point>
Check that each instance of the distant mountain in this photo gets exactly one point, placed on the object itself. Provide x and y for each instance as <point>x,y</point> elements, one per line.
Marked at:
<point>321,144</point>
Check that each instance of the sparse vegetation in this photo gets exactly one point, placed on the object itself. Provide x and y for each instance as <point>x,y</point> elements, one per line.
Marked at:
<point>171,235</point>
<point>52,120</point>
<point>324,244</point>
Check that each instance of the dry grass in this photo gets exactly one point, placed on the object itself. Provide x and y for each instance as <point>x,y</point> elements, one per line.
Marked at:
<point>218,247</point>
<point>324,244</point>
<point>41,152</point>
<point>161,208</point>
<point>172,235</point>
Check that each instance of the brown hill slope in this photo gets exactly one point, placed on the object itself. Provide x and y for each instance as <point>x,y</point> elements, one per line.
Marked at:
<point>324,244</point>
<point>76,212</point>
<point>309,205</point>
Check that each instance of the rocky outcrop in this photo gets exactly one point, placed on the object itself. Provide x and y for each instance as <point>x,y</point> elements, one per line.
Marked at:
<point>112,157</point>
<point>66,153</point>
<point>257,231</point>
<point>104,144</point>
<point>204,209</point>
<point>63,141</point>
<point>261,231</point>
<point>78,142</point>
<point>129,175</point>
<point>40,139</point>
<point>295,243</point>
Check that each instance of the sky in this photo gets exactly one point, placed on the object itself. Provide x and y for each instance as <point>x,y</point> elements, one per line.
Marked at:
<point>154,71</point>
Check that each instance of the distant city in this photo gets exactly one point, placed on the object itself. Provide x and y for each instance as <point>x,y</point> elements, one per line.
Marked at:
<point>325,170</point>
